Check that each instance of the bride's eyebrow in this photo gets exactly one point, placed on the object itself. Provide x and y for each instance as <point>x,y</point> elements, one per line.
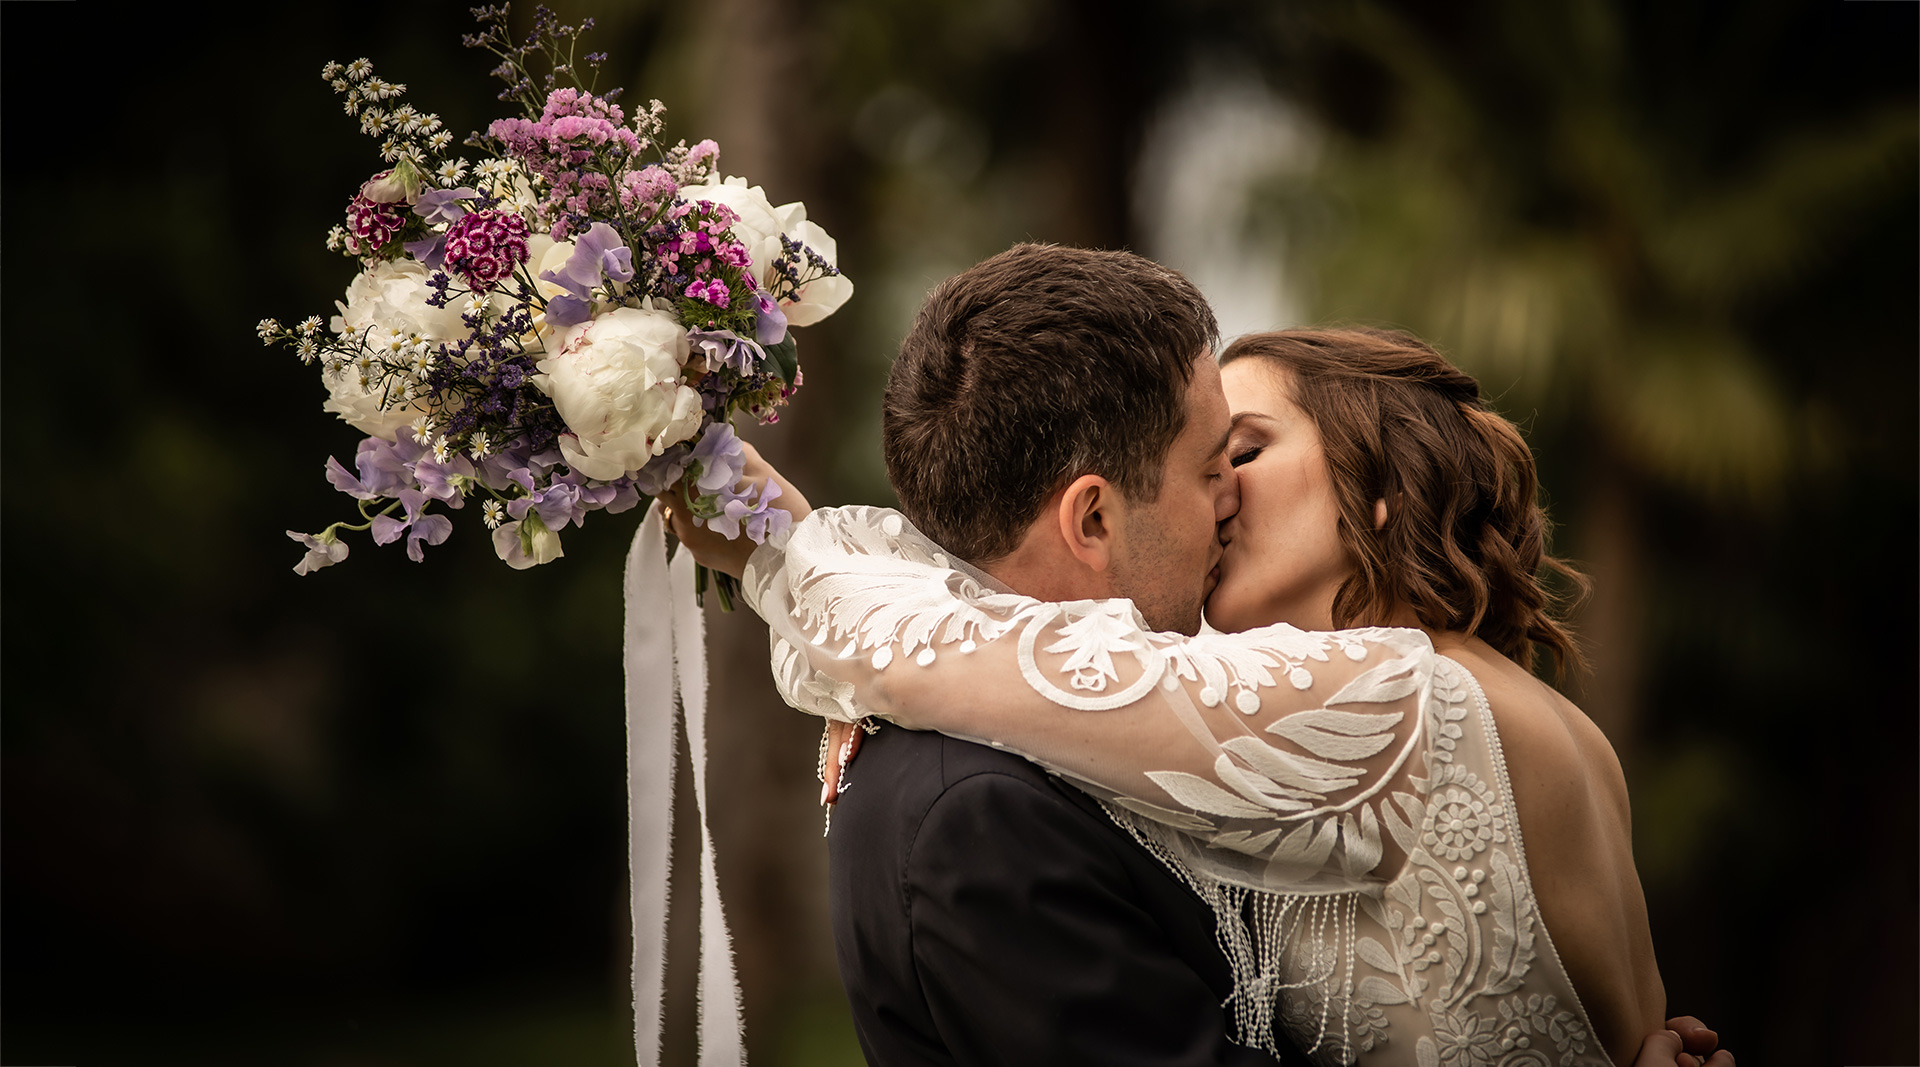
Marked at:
<point>1244,415</point>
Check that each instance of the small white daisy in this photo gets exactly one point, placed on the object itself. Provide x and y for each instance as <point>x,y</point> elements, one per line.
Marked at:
<point>423,429</point>
<point>453,170</point>
<point>306,349</point>
<point>491,512</point>
<point>477,304</point>
<point>310,325</point>
<point>478,445</point>
<point>442,449</point>
<point>359,69</point>
<point>336,239</point>
<point>266,329</point>
<point>330,71</point>
<point>439,141</point>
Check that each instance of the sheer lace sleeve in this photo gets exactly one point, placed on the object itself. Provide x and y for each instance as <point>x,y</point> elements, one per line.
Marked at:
<point>1269,753</point>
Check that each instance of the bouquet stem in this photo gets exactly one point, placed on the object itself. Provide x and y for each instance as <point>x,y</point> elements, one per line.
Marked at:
<point>724,587</point>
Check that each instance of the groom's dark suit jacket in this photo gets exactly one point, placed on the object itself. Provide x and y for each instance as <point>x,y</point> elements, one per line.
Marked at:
<point>987,913</point>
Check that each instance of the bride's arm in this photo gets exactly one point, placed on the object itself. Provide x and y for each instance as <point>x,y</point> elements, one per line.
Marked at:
<point>1277,746</point>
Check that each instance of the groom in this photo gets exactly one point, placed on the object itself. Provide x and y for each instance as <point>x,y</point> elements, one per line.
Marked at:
<point>1055,418</point>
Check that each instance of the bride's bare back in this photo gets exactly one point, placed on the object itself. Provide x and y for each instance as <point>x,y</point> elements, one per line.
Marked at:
<point>1574,817</point>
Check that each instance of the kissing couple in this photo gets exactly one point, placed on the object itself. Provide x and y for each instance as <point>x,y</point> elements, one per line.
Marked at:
<point>1210,729</point>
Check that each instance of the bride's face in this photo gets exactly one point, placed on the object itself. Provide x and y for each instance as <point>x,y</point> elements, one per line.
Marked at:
<point>1283,559</point>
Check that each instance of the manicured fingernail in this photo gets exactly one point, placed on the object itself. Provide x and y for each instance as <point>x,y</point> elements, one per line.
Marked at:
<point>826,793</point>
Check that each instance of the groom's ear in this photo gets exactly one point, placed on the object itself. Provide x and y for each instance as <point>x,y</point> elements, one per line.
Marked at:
<point>1089,515</point>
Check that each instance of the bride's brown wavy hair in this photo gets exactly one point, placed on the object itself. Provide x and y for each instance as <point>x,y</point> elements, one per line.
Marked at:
<point>1464,545</point>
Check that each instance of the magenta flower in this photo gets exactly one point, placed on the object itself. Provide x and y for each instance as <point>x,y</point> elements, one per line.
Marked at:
<point>374,223</point>
<point>484,246</point>
<point>713,291</point>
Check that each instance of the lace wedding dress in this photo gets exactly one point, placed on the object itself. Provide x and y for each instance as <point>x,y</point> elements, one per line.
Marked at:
<point>1339,799</point>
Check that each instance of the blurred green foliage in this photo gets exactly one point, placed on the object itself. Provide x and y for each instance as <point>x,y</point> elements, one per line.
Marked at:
<point>374,816</point>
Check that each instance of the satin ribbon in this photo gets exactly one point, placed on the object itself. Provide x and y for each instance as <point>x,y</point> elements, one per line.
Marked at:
<point>666,664</point>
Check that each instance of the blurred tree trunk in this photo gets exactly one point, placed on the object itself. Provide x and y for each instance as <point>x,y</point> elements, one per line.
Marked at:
<point>1611,624</point>
<point>763,797</point>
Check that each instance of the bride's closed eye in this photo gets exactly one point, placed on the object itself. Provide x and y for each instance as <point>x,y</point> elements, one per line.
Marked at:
<point>1245,455</point>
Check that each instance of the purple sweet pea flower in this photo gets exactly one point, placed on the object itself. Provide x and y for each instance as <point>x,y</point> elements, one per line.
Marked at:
<point>724,348</point>
<point>600,251</point>
<point>433,529</point>
<point>430,251</point>
<point>443,205</point>
<point>721,458</point>
<point>769,322</point>
<point>593,495</point>
<point>625,497</point>
<point>662,471</point>
<point>387,529</point>
<point>344,481</point>
<point>557,504</point>
<point>497,468</point>
<point>436,478</point>
<point>526,543</point>
<point>564,311</point>
<point>756,518</point>
<point>418,525</point>
<point>322,551</point>
<point>386,467</point>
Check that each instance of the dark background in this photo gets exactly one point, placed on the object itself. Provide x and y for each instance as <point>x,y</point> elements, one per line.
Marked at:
<point>374,816</point>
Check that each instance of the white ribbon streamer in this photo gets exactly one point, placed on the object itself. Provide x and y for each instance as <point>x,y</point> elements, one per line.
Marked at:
<point>666,658</point>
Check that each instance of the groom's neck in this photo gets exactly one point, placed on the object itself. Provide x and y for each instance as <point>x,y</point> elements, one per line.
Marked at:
<point>1042,568</point>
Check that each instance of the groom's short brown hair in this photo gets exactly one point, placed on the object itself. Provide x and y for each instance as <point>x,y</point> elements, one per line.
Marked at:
<point>1029,370</point>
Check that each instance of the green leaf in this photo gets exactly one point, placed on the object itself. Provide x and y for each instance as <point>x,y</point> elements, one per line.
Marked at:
<point>784,358</point>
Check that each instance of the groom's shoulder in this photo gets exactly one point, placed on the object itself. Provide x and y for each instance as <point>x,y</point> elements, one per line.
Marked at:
<point>913,770</point>
<point>910,790</point>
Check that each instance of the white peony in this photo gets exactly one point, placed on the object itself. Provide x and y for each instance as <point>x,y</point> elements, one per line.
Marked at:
<point>390,295</point>
<point>616,384</point>
<point>759,228</point>
<point>822,296</point>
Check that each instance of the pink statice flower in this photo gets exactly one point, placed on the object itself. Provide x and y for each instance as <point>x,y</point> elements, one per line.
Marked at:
<point>646,188</point>
<point>572,129</point>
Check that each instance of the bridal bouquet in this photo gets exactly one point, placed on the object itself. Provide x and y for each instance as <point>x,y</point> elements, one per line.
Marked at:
<point>570,321</point>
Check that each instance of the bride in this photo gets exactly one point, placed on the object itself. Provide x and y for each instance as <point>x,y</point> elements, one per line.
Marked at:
<point>1385,808</point>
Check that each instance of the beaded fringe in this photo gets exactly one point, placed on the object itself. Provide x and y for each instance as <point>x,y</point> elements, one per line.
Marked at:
<point>1266,935</point>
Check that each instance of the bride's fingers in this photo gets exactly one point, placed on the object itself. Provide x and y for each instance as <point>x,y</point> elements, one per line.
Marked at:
<point>1694,1034</point>
<point>1662,1048</point>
